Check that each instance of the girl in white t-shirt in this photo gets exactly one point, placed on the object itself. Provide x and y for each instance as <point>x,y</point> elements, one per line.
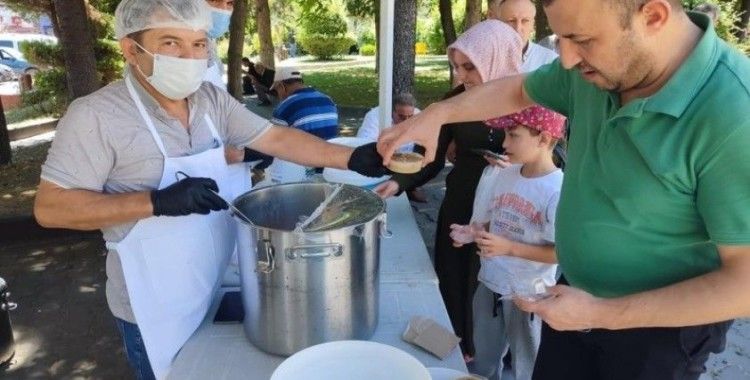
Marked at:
<point>513,227</point>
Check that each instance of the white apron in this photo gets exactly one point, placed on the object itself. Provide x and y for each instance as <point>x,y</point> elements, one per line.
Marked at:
<point>172,265</point>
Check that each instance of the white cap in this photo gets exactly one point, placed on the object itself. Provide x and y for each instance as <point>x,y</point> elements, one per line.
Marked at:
<point>286,72</point>
<point>134,16</point>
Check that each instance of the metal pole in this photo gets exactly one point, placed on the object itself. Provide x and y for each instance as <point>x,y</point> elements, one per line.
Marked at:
<point>385,54</point>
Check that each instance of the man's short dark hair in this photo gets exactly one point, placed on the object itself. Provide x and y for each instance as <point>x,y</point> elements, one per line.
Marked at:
<point>289,82</point>
<point>627,8</point>
<point>404,99</point>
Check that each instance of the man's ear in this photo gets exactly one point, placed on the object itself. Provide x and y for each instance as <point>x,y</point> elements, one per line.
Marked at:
<point>655,14</point>
<point>129,50</point>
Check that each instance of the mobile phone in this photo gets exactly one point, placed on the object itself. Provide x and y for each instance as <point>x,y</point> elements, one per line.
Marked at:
<point>489,153</point>
<point>230,309</point>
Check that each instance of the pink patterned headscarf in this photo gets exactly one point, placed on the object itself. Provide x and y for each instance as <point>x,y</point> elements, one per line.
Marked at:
<point>493,47</point>
<point>535,117</point>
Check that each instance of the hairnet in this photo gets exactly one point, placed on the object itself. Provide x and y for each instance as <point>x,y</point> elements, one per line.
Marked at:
<point>136,15</point>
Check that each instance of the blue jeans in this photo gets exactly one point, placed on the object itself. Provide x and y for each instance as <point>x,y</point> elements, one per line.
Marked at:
<point>135,350</point>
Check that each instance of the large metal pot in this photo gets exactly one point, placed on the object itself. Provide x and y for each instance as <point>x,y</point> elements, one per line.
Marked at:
<point>302,289</point>
<point>7,344</point>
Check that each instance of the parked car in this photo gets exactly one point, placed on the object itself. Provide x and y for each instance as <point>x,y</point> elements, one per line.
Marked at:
<point>12,58</point>
<point>13,40</point>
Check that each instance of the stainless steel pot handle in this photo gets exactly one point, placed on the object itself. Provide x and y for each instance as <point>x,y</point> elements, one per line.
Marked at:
<point>384,231</point>
<point>270,264</point>
<point>319,250</point>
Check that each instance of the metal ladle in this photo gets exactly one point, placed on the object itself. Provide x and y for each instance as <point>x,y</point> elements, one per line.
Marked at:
<point>235,210</point>
<point>182,175</point>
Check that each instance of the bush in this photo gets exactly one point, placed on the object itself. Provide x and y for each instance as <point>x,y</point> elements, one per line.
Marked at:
<point>323,47</point>
<point>109,61</point>
<point>420,48</point>
<point>42,54</point>
<point>324,35</point>
<point>51,82</point>
<point>325,24</point>
<point>50,92</point>
<point>368,50</point>
<point>367,38</point>
<point>726,26</point>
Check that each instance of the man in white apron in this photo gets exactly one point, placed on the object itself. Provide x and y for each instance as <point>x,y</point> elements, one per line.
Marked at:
<point>143,160</point>
<point>221,13</point>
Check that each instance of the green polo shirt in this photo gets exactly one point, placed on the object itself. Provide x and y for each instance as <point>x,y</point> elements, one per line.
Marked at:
<point>653,187</point>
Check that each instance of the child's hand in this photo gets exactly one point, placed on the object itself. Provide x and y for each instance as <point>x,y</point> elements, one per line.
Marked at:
<point>387,189</point>
<point>461,234</point>
<point>491,245</point>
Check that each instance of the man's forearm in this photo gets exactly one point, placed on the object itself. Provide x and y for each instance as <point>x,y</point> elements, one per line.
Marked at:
<point>717,296</point>
<point>56,207</point>
<point>293,145</point>
<point>490,100</point>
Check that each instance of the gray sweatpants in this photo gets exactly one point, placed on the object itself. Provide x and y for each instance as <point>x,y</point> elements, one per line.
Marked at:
<point>493,336</point>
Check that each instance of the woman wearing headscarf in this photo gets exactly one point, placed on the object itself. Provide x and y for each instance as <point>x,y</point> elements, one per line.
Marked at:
<point>488,50</point>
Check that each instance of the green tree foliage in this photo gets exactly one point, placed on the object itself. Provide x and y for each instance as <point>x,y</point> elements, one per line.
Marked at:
<point>50,92</point>
<point>324,35</point>
<point>324,23</point>
<point>362,8</point>
<point>729,18</point>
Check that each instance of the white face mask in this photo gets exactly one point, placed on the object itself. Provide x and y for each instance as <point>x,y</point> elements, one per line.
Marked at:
<point>175,78</point>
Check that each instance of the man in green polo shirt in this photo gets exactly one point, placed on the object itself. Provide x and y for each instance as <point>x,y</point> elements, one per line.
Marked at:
<point>653,226</point>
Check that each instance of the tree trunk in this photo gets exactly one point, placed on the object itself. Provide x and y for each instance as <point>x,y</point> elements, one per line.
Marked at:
<point>78,47</point>
<point>236,42</point>
<point>405,27</point>
<point>744,22</point>
<point>449,29</point>
<point>446,21</point>
<point>263,21</point>
<point>53,19</point>
<point>473,12</point>
<point>542,25</point>
<point>5,151</point>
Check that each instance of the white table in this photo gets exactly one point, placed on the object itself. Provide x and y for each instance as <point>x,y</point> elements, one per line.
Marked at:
<point>408,287</point>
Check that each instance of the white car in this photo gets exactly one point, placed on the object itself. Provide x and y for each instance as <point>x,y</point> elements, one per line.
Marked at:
<point>13,40</point>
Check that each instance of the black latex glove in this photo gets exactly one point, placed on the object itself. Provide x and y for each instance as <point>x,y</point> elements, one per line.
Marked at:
<point>367,161</point>
<point>188,196</point>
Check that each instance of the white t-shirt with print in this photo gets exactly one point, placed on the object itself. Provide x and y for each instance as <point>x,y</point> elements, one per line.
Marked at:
<point>523,210</point>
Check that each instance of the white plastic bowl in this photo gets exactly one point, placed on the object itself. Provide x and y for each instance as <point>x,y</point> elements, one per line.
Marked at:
<point>348,176</point>
<point>440,373</point>
<point>351,359</point>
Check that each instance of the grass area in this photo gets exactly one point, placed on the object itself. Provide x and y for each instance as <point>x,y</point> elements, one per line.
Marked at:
<point>358,86</point>
<point>25,113</point>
